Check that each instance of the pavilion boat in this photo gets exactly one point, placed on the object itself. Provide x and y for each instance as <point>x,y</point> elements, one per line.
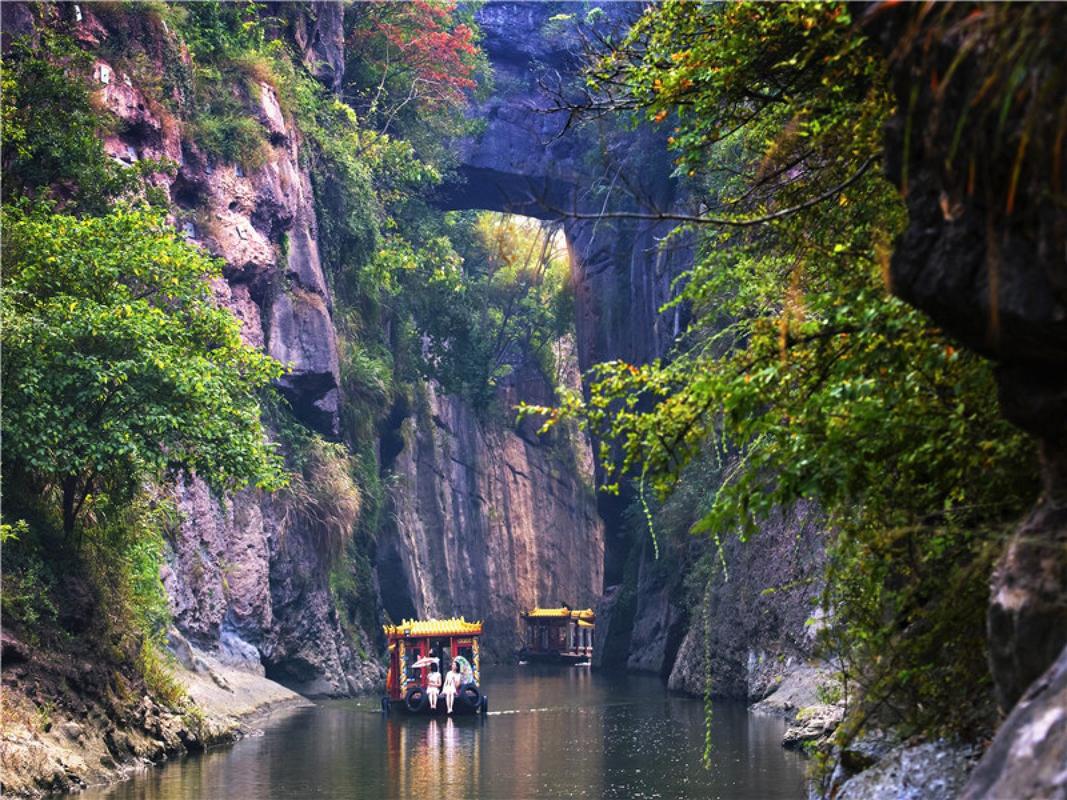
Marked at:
<point>558,635</point>
<point>415,645</point>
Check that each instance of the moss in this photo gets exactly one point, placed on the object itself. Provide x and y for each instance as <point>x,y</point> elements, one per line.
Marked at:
<point>230,135</point>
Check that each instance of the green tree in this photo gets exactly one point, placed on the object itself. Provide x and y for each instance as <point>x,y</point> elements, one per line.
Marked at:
<point>51,129</point>
<point>508,303</point>
<point>118,366</point>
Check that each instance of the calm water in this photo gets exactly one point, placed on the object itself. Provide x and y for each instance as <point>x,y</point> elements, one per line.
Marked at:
<point>561,732</point>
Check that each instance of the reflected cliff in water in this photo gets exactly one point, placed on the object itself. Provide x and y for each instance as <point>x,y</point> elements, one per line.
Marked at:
<point>551,733</point>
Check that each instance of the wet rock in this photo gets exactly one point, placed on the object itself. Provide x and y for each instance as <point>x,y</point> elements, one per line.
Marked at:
<point>193,573</point>
<point>812,724</point>
<point>865,751</point>
<point>931,771</point>
<point>614,624</point>
<point>248,583</point>
<point>236,652</point>
<point>804,686</point>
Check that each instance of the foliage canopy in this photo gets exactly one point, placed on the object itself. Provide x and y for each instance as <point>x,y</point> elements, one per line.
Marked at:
<point>118,366</point>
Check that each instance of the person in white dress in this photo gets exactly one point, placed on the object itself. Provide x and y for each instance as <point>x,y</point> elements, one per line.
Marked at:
<point>452,684</point>
<point>433,685</point>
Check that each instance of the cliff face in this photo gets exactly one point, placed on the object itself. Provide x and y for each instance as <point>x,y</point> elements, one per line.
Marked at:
<point>248,576</point>
<point>248,580</point>
<point>992,273</point>
<point>487,523</point>
<point>489,519</point>
<point>752,630</point>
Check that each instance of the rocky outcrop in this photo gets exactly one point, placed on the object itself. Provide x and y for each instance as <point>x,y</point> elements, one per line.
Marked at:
<point>1027,616</point>
<point>993,276</point>
<point>530,160</point>
<point>991,271</point>
<point>317,30</point>
<point>519,162</point>
<point>928,771</point>
<point>487,523</point>
<point>622,275</point>
<point>660,622</point>
<point>248,580</point>
<point>754,630</point>
<point>73,719</point>
<point>247,576</point>
<point>1028,757</point>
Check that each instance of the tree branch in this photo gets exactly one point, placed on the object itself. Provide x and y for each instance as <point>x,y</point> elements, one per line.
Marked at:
<point>697,219</point>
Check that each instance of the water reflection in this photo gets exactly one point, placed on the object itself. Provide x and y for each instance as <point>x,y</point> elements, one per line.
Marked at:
<point>437,758</point>
<point>551,733</point>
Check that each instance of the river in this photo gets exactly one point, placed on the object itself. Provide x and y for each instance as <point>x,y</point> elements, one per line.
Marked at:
<point>563,732</point>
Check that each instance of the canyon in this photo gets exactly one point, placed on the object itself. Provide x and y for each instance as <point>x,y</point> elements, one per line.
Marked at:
<point>487,518</point>
<point>485,515</point>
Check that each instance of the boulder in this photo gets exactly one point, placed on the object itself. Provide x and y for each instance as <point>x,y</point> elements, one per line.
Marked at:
<point>1028,757</point>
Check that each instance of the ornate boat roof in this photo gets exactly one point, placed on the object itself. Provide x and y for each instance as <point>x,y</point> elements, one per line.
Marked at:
<point>586,614</point>
<point>454,626</point>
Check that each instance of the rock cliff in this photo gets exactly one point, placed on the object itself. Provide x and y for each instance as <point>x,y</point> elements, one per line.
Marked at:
<point>753,630</point>
<point>489,517</point>
<point>489,520</point>
<point>487,523</point>
<point>248,578</point>
<point>991,271</point>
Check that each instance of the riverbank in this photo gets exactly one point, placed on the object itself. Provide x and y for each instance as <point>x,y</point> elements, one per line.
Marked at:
<point>73,721</point>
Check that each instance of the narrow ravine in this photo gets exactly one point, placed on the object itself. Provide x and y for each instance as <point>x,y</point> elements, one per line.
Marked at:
<point>730,337</point>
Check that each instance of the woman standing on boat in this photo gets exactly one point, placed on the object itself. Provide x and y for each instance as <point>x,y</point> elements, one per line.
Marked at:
<point>452,682</point>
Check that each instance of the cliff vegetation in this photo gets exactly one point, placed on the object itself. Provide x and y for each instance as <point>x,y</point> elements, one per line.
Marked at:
<point>803,376</point>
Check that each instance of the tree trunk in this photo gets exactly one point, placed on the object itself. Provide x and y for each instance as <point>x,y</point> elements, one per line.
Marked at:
<point>70,487</point>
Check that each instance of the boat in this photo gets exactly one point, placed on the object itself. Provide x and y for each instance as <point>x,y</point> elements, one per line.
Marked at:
<point>558,635</point>
<point>415,646</point>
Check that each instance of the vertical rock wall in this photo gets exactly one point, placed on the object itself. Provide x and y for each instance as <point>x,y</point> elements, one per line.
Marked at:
<point>248,575</point>
<point>488,523</point>
<point>623,275</point>
<point>995,277</point>
<point>488,519</point>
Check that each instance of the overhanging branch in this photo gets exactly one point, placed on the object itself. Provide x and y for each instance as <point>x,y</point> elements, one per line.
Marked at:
<point>698,219</point>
